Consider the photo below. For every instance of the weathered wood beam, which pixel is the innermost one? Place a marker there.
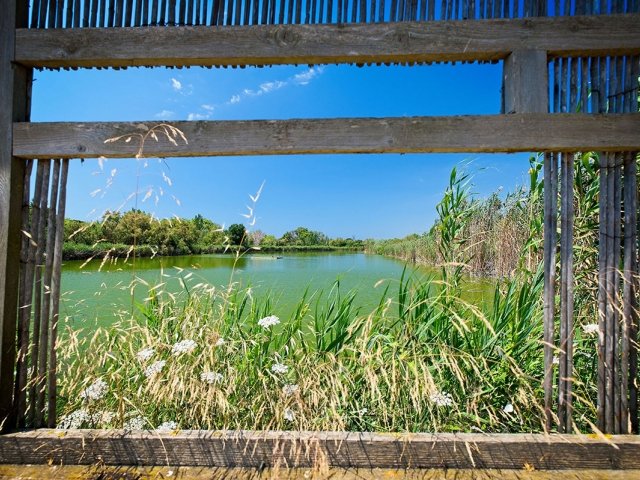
(78, 472)
(15, 91)
(486, 133)
(467, 40)
(308, 449)
(525, 82)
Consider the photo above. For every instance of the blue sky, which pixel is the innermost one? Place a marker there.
(366, 196)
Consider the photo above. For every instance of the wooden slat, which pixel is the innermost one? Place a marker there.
(15, 90)
(300, 449)
(549, 295)
(525, 82)
(81, 472)
(316, 44)
(518, 133)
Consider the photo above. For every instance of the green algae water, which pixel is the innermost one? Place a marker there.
(93, 293)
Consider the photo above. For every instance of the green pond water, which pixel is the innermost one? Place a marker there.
(92, 295)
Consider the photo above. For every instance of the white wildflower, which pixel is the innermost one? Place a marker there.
(590, 328)
(154, 368)
(74, 420)
(105, 418)
(290, 389)
(441, 399)
(184, 346)
(269, 321)
(279, 368)
(508, 408)
(167, 427)
(211, 377)
(363, 411)
(82, 417)
(220, 342)
(556, 360)
(146, 354)
(135, 423)
(289, 415)
(95, 391)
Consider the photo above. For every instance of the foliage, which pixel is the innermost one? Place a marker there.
(138, 232)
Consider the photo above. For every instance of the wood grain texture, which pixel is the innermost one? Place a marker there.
(525, 82)
(15, 89)
(517, 133)
(313, 449)
(319, 44)
(102, 472)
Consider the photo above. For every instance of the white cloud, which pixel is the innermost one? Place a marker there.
(209, 108)
(176, 84)
(197, 116)
(165, 114)
(271, 86)
(305, 77)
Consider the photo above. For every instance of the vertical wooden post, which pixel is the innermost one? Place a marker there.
(525, 82)
(602, 291)
(630, 303)
(565, 376)
(15, 92)
(550, 241)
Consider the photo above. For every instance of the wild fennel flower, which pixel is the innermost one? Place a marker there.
(145, 354)
(169, 426)
(290, 389)
(279, 368)
(184, 346)
(95, 391)
(211, 377)
(441, 399)
(135, 423)
(154, 368)
(268, 322)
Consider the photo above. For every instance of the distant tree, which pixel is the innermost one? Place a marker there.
(77, 231)
(133, 227)
(303, 237)
(269, 241)
(237, 234)
(256, 238)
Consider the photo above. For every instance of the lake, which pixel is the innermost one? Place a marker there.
(92, 294)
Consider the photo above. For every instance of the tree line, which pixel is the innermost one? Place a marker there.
(120, 234)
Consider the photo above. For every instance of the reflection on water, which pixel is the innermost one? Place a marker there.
(92, 294)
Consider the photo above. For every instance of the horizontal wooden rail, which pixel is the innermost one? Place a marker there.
(439, 41)
(489, 133)
(308, 449)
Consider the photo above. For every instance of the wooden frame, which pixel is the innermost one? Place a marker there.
(519, 133)
(309, 449)
(15, 98)
(440, 41)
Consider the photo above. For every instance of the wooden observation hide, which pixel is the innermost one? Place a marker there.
(570, 85)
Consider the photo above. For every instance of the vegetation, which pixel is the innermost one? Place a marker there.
(135, 231)
(422, 360)
(495, 236)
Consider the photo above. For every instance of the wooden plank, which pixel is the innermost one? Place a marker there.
(519, 133)
(549, 295)
(467, 40)
(15, 92)
(565, 380)
(525, 82)
(309, 449)
(82, 472)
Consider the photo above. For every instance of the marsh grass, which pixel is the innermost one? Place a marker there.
(422, 360)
